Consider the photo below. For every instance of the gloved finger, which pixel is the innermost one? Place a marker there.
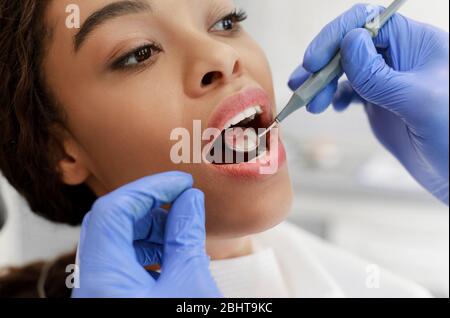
(121, 211)
(83, 231)
(370, 76)
(150, 243)
(185, 230)
(401, 32)
(148, 253)
(116, 216)
(298, 77)
(392, 34)
(151, 228)
(389, 129)
(321, 102)
(344, 96)
(324, 46)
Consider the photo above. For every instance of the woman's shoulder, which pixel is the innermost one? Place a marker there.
(298, 250)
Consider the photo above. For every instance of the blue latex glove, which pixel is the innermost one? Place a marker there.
(402, 78)
(127, 230)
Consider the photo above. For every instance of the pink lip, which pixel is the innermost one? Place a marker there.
(234, 105)
(237, 103)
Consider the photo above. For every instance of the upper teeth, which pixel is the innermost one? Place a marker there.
(245, 117)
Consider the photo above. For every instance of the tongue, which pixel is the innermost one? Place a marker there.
(241, 139)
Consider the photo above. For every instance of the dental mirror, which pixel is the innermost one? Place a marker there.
(237, 145)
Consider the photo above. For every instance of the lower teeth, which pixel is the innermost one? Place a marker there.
(222, 151)
(242, 140)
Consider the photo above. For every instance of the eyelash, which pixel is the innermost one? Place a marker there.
(152, 49)
(235, 17)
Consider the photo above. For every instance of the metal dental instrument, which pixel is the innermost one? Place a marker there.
(318, 81)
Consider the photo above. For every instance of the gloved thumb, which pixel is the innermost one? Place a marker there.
(185, 233)
(369, 74)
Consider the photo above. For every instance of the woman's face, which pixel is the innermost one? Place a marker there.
(136, 70)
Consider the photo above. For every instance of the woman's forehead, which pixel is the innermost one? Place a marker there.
(76, 17)
(58, 10)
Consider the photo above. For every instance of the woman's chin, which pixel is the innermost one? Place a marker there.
(250, 208)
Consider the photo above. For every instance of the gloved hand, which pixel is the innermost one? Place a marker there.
(402, 78)
(127, 230)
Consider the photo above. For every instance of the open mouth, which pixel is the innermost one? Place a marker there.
(236, 121)
(239, 141)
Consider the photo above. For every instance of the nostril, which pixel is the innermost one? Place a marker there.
(210, 78)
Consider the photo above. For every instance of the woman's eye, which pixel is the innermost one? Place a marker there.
(137, 57)
(229, 22)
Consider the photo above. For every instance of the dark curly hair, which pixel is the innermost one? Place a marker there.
(30, 117)
(30, 140)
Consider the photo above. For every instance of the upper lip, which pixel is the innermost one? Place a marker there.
(239, 102)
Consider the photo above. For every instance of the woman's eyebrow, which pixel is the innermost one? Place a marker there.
(106, 13)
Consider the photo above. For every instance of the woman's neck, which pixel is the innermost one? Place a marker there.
(219, 249)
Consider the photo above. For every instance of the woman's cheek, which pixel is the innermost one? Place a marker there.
(256, 63)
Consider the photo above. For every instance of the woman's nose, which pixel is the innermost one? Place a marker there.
(210, 65)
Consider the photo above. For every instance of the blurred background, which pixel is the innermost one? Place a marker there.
(349, 190)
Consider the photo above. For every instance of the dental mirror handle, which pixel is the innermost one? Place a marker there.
(318, 81)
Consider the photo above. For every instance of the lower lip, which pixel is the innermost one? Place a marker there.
(253, 170)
